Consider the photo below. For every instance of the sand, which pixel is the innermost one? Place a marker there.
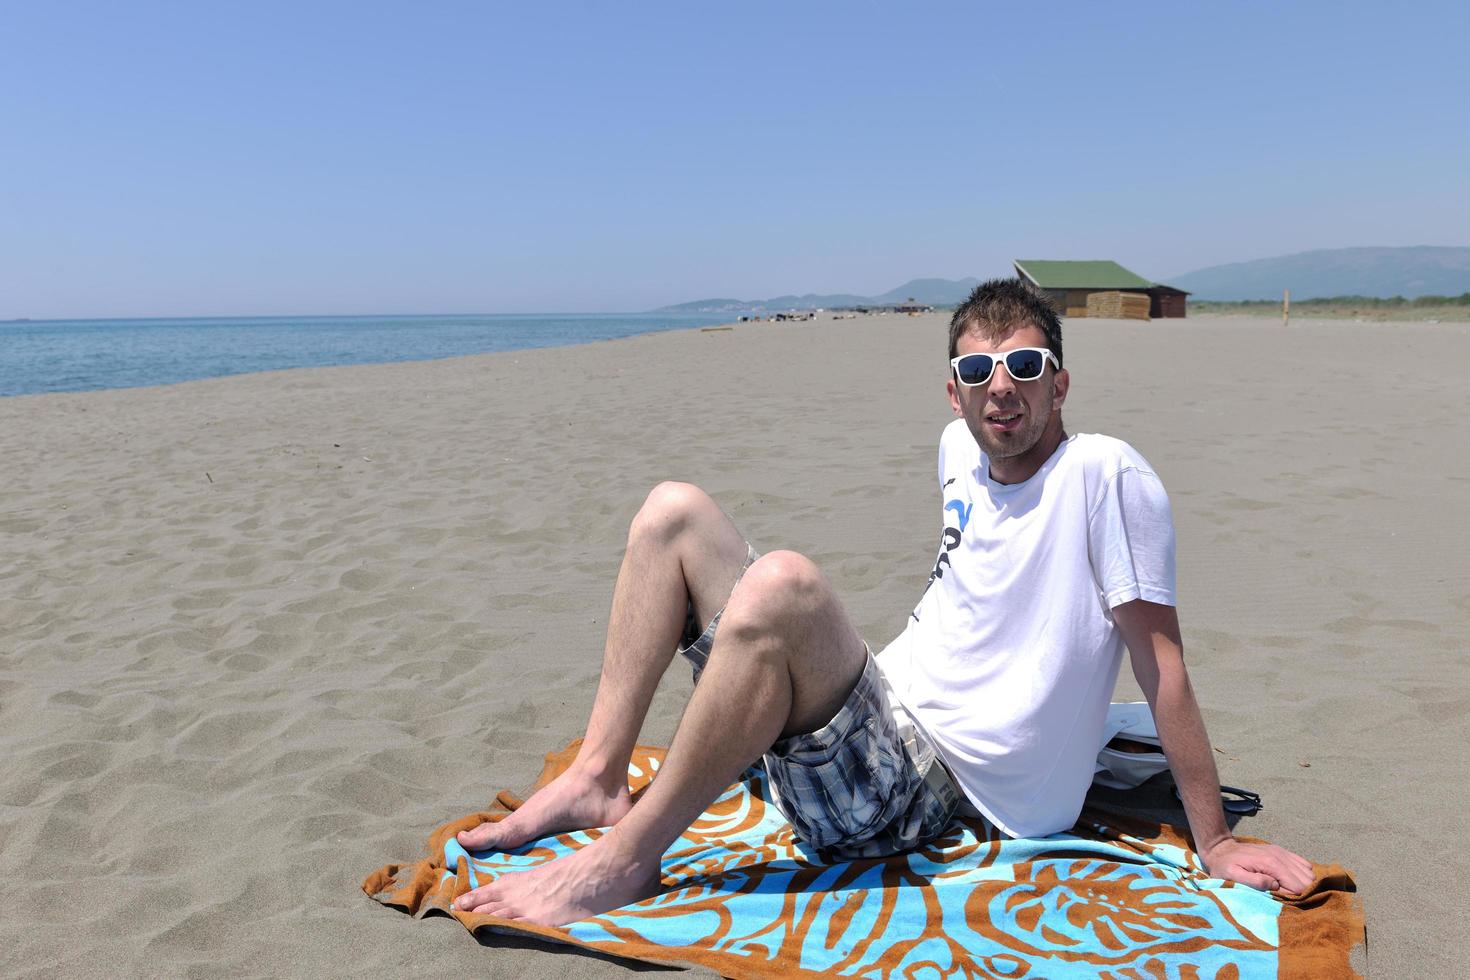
(261, 634)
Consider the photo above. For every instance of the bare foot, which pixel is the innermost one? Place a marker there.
(587, 882)
(571, 801)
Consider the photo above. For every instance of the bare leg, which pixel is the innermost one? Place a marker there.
(784, 660)
(681, 549)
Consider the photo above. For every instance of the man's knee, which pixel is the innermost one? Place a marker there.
(670, 509)
(780, 590)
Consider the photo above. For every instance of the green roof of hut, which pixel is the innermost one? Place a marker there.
(1099, 274)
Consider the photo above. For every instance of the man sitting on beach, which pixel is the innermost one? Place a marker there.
(1057, 552)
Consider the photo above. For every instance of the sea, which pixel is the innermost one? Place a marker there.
(38, 356)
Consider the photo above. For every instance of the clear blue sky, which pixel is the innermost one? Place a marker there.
(317, 157)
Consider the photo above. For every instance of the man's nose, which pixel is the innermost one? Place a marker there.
(1001, 381)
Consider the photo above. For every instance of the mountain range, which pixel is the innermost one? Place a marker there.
(1420, 270)
(938, 292)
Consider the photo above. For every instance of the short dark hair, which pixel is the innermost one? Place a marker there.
(1000, 306)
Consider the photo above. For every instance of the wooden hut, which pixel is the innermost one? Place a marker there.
(1100, 288)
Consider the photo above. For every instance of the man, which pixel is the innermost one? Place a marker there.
(1057, 552)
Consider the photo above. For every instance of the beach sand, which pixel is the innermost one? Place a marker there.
(262, 634)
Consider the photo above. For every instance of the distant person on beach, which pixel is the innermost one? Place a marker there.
(1057, 552)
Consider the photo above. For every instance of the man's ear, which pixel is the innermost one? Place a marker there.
(954, 394)
(1060, 382)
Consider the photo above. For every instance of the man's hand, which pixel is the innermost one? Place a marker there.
(1263, 866)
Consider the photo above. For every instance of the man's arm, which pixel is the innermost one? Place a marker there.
(1152, 634)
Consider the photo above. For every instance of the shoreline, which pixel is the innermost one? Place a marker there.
(85, 354)
(1202, 317)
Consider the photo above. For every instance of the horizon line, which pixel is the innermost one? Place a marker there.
(337, 316)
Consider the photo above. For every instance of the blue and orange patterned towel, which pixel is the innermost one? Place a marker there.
(1113, 898)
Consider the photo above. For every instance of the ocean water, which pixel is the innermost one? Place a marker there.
(85, 355)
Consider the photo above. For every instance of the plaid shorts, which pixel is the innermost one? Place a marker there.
(866, 784)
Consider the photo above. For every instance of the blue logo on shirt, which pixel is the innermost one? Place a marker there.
(948, 542)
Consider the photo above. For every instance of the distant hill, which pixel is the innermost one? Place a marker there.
(939, 292)
(1420, 270)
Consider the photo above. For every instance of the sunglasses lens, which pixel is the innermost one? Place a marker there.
(974, 369)
(1025, 365)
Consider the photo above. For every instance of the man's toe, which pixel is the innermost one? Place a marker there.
(478, 836)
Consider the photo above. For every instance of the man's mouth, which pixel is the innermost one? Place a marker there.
(1004, 420)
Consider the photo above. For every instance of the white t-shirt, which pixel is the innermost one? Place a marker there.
(1008, 661)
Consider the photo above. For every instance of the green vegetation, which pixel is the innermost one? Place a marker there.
(1372, 302)
(1349, 307)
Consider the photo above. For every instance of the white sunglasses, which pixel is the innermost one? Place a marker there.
(1022, 364)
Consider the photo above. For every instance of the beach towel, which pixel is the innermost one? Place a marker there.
(1115, 897)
